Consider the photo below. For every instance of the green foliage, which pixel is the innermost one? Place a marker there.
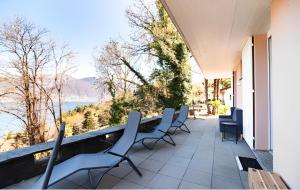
(169, 82)
(222, 110)
(119, 110)
(79, 109)
(172, 53)
(88, 123)
(226, 83)
(116, 113)
(217, 104)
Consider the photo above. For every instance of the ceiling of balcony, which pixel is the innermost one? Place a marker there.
(216, 31)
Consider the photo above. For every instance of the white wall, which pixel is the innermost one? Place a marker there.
(285, 77)
(247, 88)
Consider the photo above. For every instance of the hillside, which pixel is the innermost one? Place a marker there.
(83, 89)
(79, 89)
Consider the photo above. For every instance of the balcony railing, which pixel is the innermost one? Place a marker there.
(21, 164)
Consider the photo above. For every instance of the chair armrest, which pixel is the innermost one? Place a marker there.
(229, 123)
(225, 116)
(115, 154)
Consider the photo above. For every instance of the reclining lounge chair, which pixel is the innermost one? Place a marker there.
(179, 122)
(106, 160)
(160, 131)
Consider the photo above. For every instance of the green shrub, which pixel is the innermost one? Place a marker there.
(219, 106)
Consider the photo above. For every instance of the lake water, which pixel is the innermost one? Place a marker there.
(10, 123)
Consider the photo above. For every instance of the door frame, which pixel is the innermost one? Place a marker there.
(270, 127)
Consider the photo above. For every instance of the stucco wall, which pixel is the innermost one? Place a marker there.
(285, 103)
(261, 92)
(238, 86)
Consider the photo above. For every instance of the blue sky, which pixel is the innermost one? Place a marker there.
(84, 24)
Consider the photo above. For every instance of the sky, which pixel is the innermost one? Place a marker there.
(83, 24)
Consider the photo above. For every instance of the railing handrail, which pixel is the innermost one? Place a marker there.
(42, 147)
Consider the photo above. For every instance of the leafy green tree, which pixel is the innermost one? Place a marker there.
(159, 38)
(88, 122)
(226, 83)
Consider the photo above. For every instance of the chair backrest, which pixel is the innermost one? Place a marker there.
(183, 114)
(238, 116)
(232, 110)
(125, 142)
(53, 157)
(166, 120)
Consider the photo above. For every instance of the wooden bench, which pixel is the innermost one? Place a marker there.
(261, 179)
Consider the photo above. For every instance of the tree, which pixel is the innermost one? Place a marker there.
(226, 83)
(117, 77)
(115, 72)
(206, 96)
(157, 37)
(27, 85)
(25, 44)
(88, 123)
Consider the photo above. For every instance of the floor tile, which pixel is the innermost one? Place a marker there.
(198, 177)
(179, 161)
(173, 171)
(123, 184)
(121, 171)
(152, 165)
(163, 182)
(161, 156)
(135, 159)
(108, 181)
(220, 182)
(141, 180)
(226, 171)
(189, 185)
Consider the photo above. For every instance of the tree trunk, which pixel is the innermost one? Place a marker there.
(206, 96)
(214, 96)
(218, 89)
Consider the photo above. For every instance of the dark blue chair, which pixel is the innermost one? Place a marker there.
(223, 118)
(233, 125)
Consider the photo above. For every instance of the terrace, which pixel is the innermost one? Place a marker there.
(199, 160)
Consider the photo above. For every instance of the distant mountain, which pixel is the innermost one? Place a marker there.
(91, 80)
(83, 88)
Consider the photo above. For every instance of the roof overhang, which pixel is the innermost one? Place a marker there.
(216, 31)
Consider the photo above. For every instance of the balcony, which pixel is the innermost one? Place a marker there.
(199, 160)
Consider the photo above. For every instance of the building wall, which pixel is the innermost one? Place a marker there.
(238, 86)
(261, 92)
(285, 103)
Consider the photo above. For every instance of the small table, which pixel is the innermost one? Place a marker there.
(230, 124)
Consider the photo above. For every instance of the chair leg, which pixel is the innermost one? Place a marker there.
(173, 133)
(96, 185)
(149, 147)
(172, 141)
(91, 179)
(133, 166)
(236, 134)
(185, 130)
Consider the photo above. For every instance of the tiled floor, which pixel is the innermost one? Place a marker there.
(199, 160)
(265, 158)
